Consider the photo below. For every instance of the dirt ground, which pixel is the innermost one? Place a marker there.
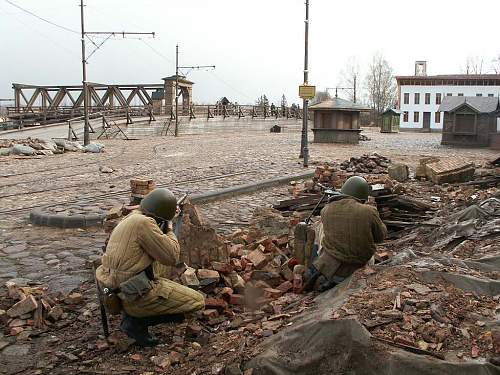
(60, 258)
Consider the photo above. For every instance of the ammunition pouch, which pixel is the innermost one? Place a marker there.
(135, 287)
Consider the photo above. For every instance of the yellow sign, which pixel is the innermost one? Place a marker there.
(307, 92)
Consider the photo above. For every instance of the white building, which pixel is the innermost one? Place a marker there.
(420, 95)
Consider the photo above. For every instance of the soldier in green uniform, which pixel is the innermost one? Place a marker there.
(350, 229)
(136, 250)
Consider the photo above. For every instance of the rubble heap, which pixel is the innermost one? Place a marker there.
(373, 163)
(32, 309)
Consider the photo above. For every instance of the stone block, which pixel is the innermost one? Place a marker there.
(189, 278)
(22, 307)
(399, 172)
(204, 274)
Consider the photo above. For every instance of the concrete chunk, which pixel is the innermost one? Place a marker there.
(22, 307)
(399, 172)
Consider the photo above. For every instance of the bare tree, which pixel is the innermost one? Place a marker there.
(496, 65)
(474, 65)
(380, 84)
(321, 96)
(350, 78)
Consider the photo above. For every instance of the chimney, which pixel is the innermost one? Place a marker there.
(420, 68)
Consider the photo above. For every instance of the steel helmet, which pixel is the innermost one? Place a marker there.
(356, 187)
(160, 203)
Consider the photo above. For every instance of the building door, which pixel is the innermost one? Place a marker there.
(427, 121)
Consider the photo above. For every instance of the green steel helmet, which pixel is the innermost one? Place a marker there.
(160, 203)
(356, 187)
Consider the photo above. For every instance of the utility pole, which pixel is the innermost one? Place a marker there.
(86, 126)
(304, 149)
(177, 93)
(86, 130)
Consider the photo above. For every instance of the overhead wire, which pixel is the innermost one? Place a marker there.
(41, 18)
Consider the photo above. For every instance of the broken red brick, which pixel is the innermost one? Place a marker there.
(236, 264)
(226, 293)
(285, 287)
(237, 299)
(14, 331)
(257, 257)
(221, 267)
(272, 293)
(207, 274)
(215, 303)
(210, 313)
(74, 299)
(262, 284)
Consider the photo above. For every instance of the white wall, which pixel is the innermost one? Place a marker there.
(433, 107)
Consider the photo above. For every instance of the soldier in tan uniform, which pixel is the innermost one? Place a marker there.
(136, 250)
(348, 233)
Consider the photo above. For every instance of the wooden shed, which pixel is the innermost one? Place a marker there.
(337, 121)
(469, 120)
(390, 121)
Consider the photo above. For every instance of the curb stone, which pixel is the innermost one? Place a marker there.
(41, 218)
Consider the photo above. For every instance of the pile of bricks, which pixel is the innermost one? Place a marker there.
(373, 163)
(258, 272)
(33, 309)
(140, 187)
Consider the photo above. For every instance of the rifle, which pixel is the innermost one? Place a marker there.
(303, 233)
(104, 316)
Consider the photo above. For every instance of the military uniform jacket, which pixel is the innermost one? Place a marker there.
(351, 230)
(134, 244)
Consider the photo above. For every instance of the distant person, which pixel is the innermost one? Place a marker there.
(346, 236)
(130, 267)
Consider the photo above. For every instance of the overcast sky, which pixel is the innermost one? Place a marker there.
(257, 45)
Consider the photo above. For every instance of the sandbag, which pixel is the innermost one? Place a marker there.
(94, 147)
(23, 150)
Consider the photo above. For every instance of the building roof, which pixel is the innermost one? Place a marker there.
(481, 104)
(394, 110)
(337, 104)
(181, 79)
(451, 79)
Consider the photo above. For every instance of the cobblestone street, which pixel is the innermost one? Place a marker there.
(72, 183)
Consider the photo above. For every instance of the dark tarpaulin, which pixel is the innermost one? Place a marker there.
(315, 344)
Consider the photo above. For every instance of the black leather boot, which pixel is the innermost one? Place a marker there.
(136, 329)
(160, 319)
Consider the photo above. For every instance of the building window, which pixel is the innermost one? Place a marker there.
(427, 98)
(416, 116)
(405, 116)
(438, 98)
(449, 94)
(406, 99)
(491, 95)
(479, 94)
(417, 98)
(460, 94)
(437, 117)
